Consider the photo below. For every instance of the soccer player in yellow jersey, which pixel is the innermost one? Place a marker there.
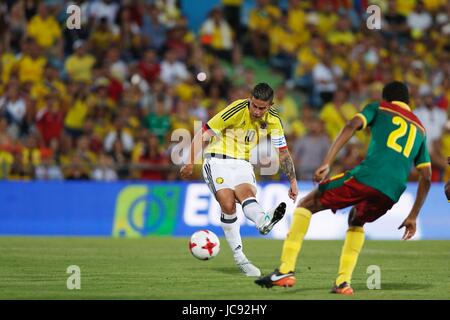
(234, 132)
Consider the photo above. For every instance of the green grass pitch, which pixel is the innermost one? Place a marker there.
(163, 268)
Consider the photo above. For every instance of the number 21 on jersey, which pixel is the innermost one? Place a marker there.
(400, 132)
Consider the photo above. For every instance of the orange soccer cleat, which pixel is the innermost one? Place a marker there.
(344, 288)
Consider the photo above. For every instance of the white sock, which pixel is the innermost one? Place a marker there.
(253, 210)
(231, 228)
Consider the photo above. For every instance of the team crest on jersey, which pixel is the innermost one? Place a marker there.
(263, 125)
(219, 180)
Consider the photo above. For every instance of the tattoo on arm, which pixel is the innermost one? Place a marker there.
(287, 165)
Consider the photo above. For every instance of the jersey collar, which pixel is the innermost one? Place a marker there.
(402, 105)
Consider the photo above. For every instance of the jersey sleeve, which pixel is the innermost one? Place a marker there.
(423, 157)
(225, 118)
(368, 114)
(277, 133)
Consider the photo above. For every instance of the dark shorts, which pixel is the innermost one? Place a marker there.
(343, 191)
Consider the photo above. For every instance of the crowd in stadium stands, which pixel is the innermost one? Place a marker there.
(100, 103)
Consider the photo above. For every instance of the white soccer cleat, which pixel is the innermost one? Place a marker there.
(249, 269)
(271, 218)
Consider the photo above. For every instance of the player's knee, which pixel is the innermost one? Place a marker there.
(311, 203)
(353, 220)
(228, 207)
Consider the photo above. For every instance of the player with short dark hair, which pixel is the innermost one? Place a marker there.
(398, 139)
(234, 132)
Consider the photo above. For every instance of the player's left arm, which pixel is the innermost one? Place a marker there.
(276, 132)
(287, 166)
(423, 166)
(422, 191)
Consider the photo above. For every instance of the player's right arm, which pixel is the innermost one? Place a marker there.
(358, 122)
(198, 144)
(215, 126)
(346, 133)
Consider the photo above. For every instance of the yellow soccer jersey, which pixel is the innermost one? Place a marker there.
(235, 134)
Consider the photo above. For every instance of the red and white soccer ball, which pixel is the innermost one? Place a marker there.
(204, 245)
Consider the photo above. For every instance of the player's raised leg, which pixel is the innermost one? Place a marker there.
(285, 275)
(264, 221)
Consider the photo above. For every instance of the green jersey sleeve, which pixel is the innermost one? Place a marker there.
(423, 157)
(367, 115)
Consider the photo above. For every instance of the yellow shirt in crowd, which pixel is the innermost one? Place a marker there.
(263, 19)
(45, 32)
(31, 69)
(76, 115)
(80, 68)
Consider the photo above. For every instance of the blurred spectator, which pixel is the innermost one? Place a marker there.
(287, 108)
(183, 119)
(153, 31)
(17, 25)
(336, 113)
(284, 44)
(31, 65)
(432, 117)
(149, 67)
(151, 160)
(102, 37)
(104, 170)
(180, 40)
(28, 158)
(158, 122)
(325, 76)
(13, 107)
(218, 81)
(48, 169)
(172, 71)
(122, 134)
(76, 170)
(310, 150)
(419, 21)
(395, 24)
(79, 65)
(216, 35)
(261, 20)
(104, 9)
(77, 112)
(44, 28)
(50, 120)
(232, 13)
